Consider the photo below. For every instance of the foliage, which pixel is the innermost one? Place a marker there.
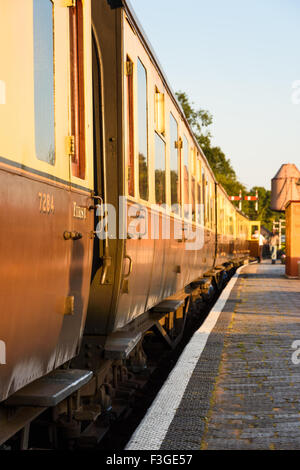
(143, 177)
(224, 172)
(197, 118)
(221, 166)
(264, 214)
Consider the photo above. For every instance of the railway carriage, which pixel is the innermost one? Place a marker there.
(86, 117)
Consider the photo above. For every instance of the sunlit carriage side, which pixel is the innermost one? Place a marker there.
(89, 117)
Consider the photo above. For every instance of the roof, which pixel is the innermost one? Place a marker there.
(287, 170)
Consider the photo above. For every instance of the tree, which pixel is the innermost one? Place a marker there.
(264, 214)
(221, 166)
(196, 118)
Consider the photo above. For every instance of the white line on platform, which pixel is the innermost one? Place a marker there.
(154, 427)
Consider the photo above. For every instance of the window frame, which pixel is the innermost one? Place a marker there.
(159, 136)
(77, 90)
(178, 159)
(193, 183)
(53, 88)
(186, 215)
(130, 131)
(203, 198)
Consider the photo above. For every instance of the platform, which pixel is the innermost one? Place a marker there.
(235, 385)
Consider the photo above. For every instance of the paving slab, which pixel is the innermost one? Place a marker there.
(243, 389)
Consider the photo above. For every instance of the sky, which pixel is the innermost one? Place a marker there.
(239, 60)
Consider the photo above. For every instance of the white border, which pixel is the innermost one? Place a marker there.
(154, 427)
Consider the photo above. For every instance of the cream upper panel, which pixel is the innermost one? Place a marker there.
(17, 115)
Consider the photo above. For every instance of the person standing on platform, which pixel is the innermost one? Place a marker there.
(274, 243)
(261, 241)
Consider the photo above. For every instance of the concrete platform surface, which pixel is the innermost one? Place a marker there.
(237, 383)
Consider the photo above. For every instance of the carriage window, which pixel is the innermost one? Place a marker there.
(174, 163)
(186, 176)
(193, 161)
(230, 224)
(212, 206)
(193, 198)
(193, 156)
(209, 205)
(77, 89)
(159, 113)
(207, 198)
(160, 170)
(221, 215)
(199, 207)
(199, 191)
(130, 128)
(44, 80)
(142, 131)
(203, 196)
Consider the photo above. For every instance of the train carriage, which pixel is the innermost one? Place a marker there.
(89, 122)
(45, 277)
(160, 163)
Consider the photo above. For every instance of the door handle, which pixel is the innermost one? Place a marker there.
(126, 276)
(95, 206)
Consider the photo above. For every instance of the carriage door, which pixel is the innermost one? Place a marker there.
(101, 247)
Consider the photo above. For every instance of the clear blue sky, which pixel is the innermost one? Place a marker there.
(237, 59)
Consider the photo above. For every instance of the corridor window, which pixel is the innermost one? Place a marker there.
(199, 192)
(142, 131)
(186, 176)
(174, 163)
(44, 80)
(199, 207)
(130, 127)
(193, 178)
(204, 197)
(160, 170)
(77, 89)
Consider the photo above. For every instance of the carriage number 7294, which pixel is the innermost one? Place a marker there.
(46, 203)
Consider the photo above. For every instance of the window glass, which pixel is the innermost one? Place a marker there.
(44, 80)
(230, 225)
(212, 211)
(193, 192)
(199, 191)
(174, 162)
(207, 200)
(160, 170)
(254, 228)
(186, 175)
(142, 131)
(221, 215)
(193, 198)
(200, 210)
(77, 89)
(204, 196)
